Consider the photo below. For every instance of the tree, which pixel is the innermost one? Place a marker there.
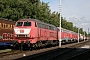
(21, 9)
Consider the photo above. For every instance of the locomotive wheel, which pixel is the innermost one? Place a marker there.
(21, 47)
(30, 47)
(28, 44)
(15, 45)
(39, 44)
(34, 46)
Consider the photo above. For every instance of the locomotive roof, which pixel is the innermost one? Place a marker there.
(68, 30)
(36, 21)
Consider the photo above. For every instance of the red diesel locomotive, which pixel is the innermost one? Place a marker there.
(33, 33)
(67, 35)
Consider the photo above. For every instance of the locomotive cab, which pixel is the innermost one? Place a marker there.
(24, 30)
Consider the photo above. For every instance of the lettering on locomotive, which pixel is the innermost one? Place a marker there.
(21, 31)
(6, 26)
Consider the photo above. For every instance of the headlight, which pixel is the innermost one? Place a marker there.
(28, 35)
(25, 35)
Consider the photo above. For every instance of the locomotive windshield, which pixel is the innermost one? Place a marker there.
(27, 23)
(19, 23)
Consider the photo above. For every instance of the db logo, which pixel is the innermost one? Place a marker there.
(21, 31)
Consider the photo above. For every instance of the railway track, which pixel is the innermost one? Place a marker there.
(47, 55)
(81, 56)
(74, 54)
(60, 53)
(33, 55)
(9, 53)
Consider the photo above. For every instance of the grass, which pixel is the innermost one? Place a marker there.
(6, 50)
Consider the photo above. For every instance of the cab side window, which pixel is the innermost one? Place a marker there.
(35, 24)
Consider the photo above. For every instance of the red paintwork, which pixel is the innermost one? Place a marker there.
(37, 34)
(42, 34)
(69, 34)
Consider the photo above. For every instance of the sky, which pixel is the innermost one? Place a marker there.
(73, 10)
